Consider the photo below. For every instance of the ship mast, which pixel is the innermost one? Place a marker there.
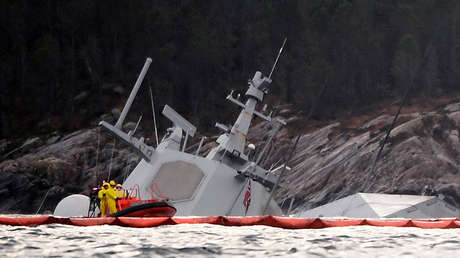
(233, 140)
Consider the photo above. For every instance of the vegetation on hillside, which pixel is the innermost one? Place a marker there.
(61, 60)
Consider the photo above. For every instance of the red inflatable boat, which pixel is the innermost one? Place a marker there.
(134, 206)
(149, 208)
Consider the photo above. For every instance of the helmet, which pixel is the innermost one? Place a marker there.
(112, 183)
(106, 184)
(118, 185)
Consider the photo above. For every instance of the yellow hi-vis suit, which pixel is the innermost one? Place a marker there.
(120, 193)
(107, 197)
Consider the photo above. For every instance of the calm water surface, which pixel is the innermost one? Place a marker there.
(219, 241)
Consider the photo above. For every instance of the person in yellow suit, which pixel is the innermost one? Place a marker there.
(120, 195)
(112, 184)
(107, 195)
(120, 191)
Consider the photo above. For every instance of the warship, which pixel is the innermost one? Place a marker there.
(228, 181)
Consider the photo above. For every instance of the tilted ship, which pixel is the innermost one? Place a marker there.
(228, 181)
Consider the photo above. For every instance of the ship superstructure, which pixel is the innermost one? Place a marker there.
(227, 181)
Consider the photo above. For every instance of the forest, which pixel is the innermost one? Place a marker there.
(64, 63)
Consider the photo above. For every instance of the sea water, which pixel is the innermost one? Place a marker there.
(204, 240)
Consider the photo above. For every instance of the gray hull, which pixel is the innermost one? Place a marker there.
(198, 186)
(374, 205)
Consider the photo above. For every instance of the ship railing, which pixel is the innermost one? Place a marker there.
(133, 196)
(134, 192)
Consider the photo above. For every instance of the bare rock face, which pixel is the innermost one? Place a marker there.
(452, 107)
(72, 163)
(423, 151)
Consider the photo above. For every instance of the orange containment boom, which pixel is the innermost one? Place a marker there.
(280, 222)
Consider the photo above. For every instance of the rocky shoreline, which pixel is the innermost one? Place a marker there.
(422, 156)
(57, 167)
